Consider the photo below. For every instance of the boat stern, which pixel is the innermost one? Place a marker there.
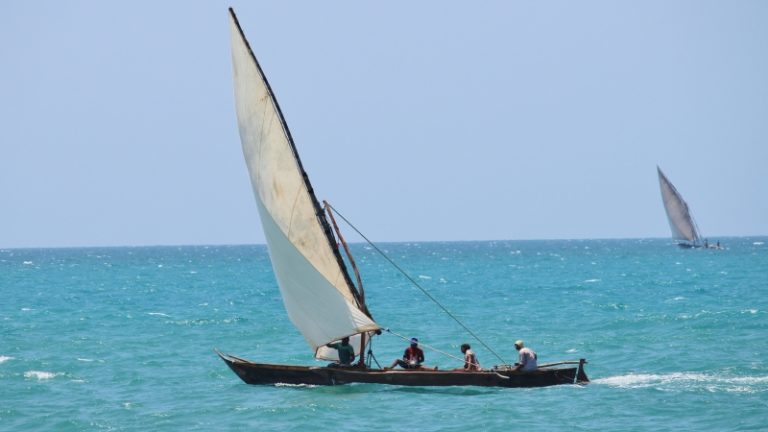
(581, 375)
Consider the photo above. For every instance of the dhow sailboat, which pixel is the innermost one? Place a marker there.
(684, 228)
(319, 294)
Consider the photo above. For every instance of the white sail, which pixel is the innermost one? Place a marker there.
(680, 220)
(315, 286)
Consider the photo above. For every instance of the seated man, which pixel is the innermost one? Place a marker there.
(346, 352)
(471, 364)
(528, 359)
(412, 358)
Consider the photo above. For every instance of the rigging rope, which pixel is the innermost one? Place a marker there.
(416, 284)
(430, 347)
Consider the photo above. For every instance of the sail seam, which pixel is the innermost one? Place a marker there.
(262, 129)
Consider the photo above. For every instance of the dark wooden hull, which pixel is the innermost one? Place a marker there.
(266, 374)
(688, 246)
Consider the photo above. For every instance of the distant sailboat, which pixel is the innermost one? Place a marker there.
(318, 292)
(684, 228)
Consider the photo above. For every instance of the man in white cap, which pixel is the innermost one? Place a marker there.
(527, 361)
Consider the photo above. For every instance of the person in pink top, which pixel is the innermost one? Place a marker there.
(528, 359)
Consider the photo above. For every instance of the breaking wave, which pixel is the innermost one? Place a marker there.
(40, 375)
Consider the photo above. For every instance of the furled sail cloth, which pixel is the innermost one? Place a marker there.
(317, 292)
(680, 219)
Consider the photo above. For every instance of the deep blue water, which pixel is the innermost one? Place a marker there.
(123, 338)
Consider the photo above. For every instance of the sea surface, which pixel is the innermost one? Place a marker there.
(122, 339)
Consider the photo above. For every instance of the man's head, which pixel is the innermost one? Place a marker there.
(519, 344)
(414, 342)
(345, 341)
(464, 347)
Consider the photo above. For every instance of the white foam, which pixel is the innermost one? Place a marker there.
(687, 380)
(641, 380)
(158, 314)
(4, 359)
(295, 385)
(28, 263)
(40, 375)
(592, 280)
(758, 243)
(425, 277)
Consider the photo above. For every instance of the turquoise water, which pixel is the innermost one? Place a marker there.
(123, 338)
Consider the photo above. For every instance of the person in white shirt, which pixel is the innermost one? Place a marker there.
(527, 360)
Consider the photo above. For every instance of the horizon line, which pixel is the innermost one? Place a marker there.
(364, 242)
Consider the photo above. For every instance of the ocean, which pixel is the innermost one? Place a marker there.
(122, 339)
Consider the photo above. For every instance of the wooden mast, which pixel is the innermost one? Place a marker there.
(361, 291)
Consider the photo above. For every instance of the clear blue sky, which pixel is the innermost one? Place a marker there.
(420, 121)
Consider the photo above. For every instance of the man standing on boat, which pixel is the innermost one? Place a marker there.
(413, 357)
(528, 359)
(346, 352)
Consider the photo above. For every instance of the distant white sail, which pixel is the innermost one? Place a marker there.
(315, 287)
(680, 219)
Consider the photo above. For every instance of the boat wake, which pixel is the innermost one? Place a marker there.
(688, 381)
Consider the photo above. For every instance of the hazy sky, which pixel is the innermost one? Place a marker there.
(418, 120)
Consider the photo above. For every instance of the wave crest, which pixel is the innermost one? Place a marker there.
(40, 375)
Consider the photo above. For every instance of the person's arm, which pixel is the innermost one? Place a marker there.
(520, 363)
(524, 359)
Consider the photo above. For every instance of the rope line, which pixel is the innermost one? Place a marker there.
(416, 284)
(432, 348)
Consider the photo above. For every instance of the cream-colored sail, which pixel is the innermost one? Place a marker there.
(315, 287)
(680, 220)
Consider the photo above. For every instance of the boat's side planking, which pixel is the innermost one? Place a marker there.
(260, 373)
